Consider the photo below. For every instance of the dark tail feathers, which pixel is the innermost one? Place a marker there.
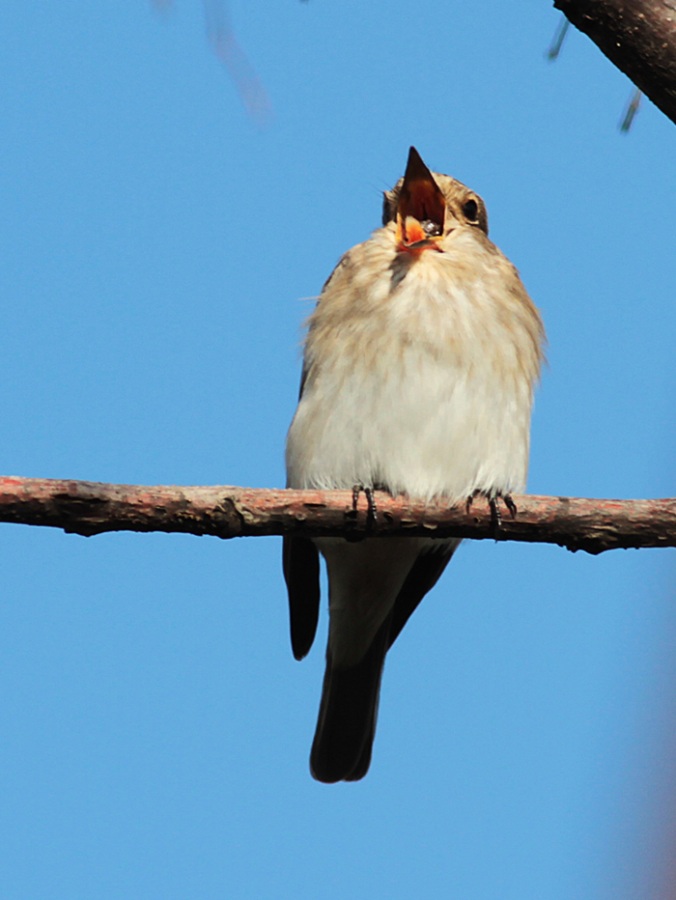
(341, 750)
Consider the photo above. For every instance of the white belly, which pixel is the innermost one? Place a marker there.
(427, 397)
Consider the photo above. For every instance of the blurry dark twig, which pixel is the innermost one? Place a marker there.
(558, 39)
(222, 38)
(553, 53)
(631, 111)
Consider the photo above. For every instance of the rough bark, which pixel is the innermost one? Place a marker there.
(89, 508)
(638, 36)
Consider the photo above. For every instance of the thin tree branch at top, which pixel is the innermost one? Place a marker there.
(88, 508)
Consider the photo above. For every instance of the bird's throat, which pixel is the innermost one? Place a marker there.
(414, 236)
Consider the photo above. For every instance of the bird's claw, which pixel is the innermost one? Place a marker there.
(493, 505)
(372, 510)
(510, 504)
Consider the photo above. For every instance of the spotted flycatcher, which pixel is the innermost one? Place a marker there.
(419, 367)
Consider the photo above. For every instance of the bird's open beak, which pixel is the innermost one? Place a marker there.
(420, 208)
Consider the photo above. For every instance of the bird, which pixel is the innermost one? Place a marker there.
(419, 366)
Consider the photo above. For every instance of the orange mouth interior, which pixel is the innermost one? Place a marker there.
(421, 208)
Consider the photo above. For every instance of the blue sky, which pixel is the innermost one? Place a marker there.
(160, 249)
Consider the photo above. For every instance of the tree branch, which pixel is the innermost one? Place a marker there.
(638, 36)
(88, 508)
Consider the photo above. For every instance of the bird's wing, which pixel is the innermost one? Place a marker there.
(424, 574)
(300, 561)
(301, 573)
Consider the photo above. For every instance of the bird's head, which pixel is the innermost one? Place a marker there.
(427, 206)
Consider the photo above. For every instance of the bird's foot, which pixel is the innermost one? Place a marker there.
(494, 506)
(372, 510)
(353, 513)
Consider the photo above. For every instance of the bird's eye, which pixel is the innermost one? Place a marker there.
(470, 209)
